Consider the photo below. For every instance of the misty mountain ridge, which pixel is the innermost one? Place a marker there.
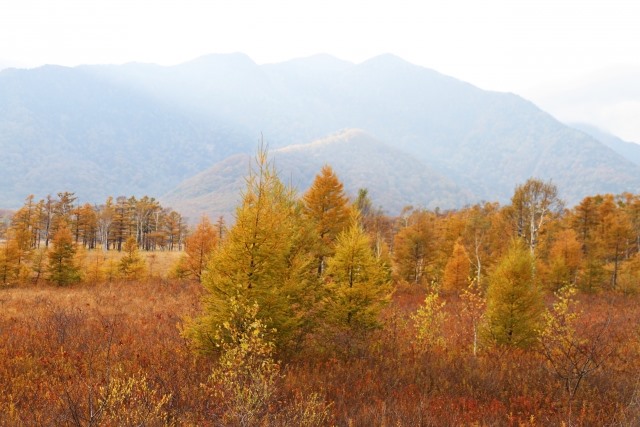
(629, 150)
(390, 175)
(145, 129)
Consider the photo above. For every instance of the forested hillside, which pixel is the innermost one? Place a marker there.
(629, 150)
(143, 129)
(65, 129)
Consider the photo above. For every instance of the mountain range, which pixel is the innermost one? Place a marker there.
(218, 189)
(187, 133)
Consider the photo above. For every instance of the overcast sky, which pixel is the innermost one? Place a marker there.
(539, 49)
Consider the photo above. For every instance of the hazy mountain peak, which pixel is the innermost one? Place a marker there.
(323, 60)
(65, 129)
(394, 178)
(387, 58)
(320, 67)
(217, 60)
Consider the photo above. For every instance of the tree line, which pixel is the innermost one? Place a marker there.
(297, 256)
(592, 246)
(39, 229)
(105, 226)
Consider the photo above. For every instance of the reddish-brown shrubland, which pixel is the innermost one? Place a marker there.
(110, 349)
(112, 354)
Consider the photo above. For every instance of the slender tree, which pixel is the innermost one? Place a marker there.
(565, 259)
(199, 247)
(514, 301)
(414, 247)
(131, 265)
(456, 272)
(62, 257)
(9, 262)
(615, 236)
(327, 207)
(358, 286)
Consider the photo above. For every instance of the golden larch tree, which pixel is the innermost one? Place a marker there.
(565, 258)
(264, 259)
(131, 266)
(62, 257)
(457, 270)
(199, 247)
(514, 301)
(414, 247)
(358, 287)
(326, 206)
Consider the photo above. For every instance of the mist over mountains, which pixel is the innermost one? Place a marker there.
(389, 175)
(188, 131)
(629, 150)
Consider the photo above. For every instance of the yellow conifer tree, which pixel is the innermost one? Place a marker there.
(457, 270)
(358, 287)
(514, 302)
(62, 257)
(327, 207)
(132, 265)
(264, 259)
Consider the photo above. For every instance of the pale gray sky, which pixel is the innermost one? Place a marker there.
(536, 48)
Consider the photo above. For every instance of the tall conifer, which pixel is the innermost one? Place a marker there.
(514, 302)
(62, 264)
(358, 285)
(456, 272)
(263, 260)
(327, 207)
(199, 248)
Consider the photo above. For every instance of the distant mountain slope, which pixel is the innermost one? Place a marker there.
(143, 128)
(67, 129)
(394, 179)
(485, 141)
(629, 150)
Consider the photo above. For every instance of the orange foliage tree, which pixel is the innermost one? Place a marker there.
(456, 272)
(326, 206)
(199, 247)
(62, 264)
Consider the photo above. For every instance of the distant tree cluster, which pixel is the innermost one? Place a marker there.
(107, 226)
(44, 236)
(509, 257)
(593, 246)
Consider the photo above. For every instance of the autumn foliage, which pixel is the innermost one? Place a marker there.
(523, 314)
